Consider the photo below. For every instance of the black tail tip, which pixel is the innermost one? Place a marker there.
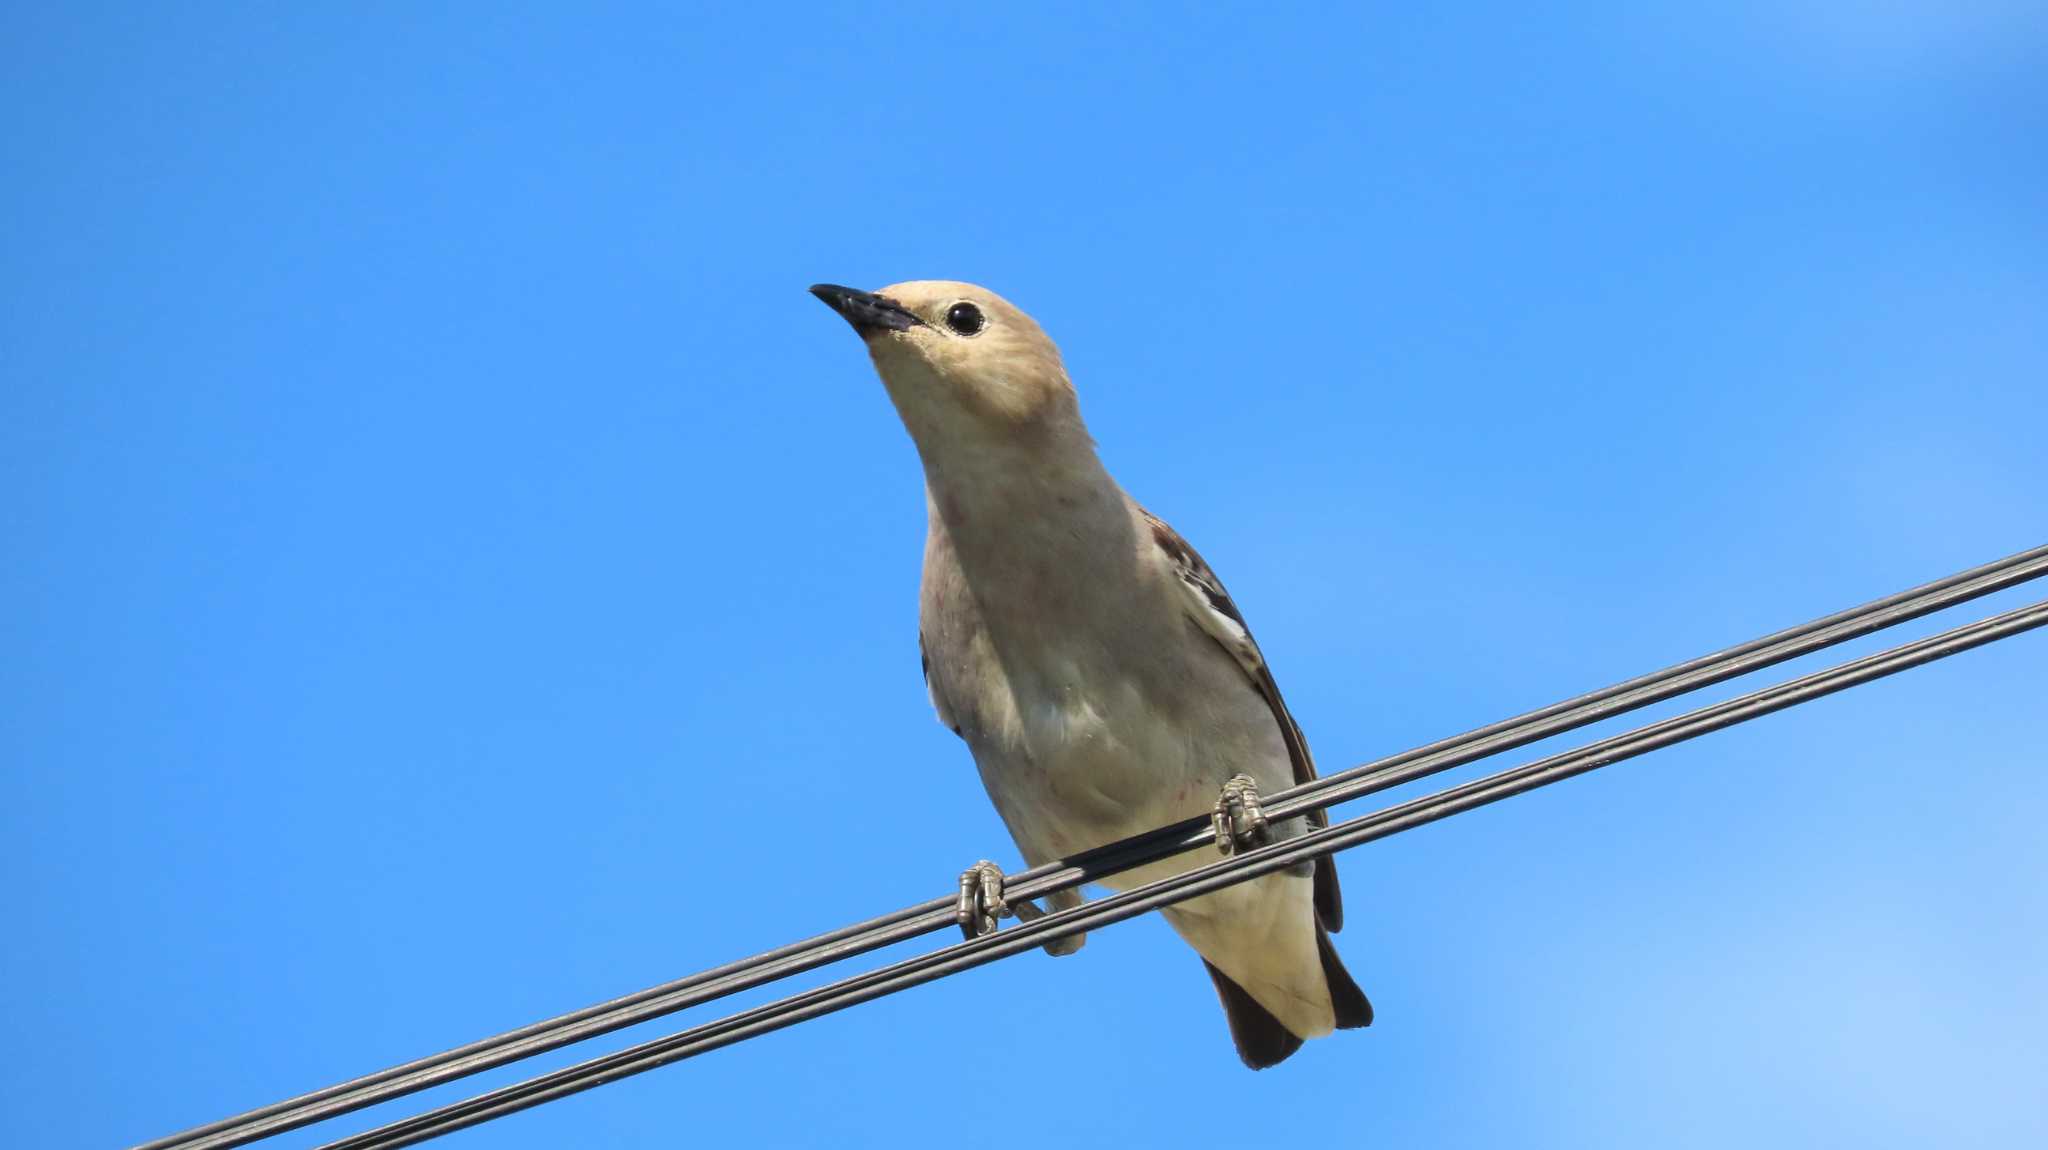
(1260, 1039)
(1352, 1008)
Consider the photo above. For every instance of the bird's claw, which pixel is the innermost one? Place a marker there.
(981, 899)
(982, 902)
(1238, 818)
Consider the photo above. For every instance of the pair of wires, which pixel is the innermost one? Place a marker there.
(939, 914)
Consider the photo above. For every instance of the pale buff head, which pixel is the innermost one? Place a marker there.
(961, 363)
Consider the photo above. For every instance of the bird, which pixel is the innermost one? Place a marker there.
(1103, 680)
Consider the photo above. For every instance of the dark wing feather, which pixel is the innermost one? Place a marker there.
(1211, 608)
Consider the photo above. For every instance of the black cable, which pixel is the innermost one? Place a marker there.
(937, 914)
(1190, 884)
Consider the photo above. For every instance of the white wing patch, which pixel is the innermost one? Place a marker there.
(1208, 604)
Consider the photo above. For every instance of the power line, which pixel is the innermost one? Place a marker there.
(1190, 884)
(923, 918)
(911, 922)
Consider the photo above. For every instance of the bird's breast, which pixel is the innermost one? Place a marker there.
(1070, 740)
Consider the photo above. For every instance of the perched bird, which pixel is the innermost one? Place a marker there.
(1094, 665)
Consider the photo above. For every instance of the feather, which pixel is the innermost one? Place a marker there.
(1212, 609)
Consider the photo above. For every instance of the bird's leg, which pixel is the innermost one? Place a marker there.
(1066, 944)
(982, 903)
(1239, 820)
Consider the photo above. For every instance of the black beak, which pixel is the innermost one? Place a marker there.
(866, 311)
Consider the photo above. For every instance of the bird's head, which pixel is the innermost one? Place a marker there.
(960, 361)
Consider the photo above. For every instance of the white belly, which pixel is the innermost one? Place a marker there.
(1069, 771)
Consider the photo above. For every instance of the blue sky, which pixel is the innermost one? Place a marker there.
(456, 574)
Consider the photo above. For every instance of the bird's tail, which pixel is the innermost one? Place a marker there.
(1261, 1039)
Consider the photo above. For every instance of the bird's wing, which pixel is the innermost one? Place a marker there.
(1211, 608)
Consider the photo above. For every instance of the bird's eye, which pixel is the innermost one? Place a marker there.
(966, 319)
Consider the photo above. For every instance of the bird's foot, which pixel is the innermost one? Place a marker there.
(981, 899)
(982, 903)
(1239, 819)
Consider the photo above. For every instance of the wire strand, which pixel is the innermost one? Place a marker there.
(937, 914)
(1186, 885)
